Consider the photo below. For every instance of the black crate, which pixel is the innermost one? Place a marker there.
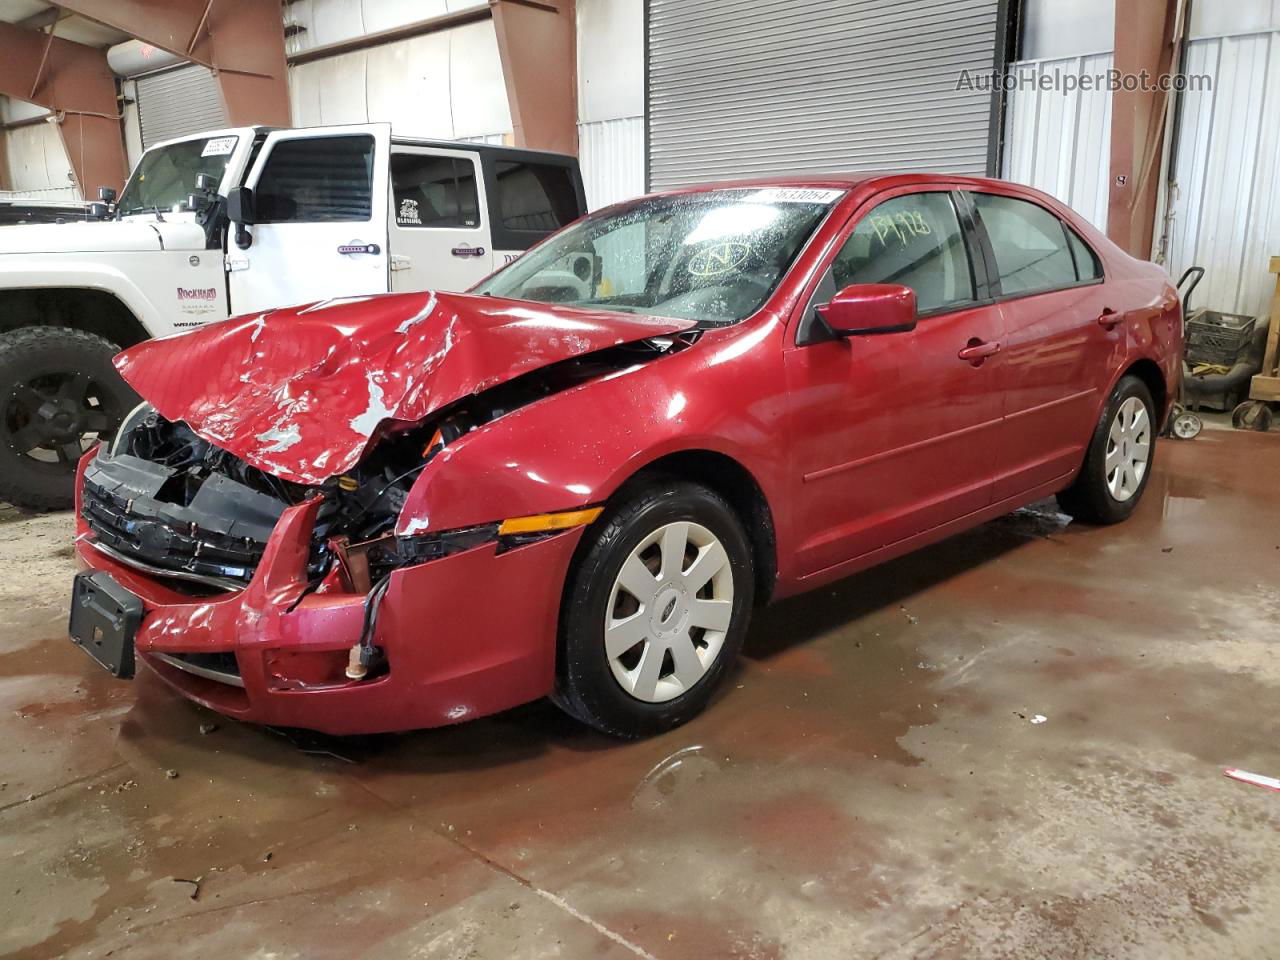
(1216, 337)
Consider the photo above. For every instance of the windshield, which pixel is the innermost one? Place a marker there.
(166, 176)
(714, 257)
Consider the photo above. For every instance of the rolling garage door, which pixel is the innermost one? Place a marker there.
(178, 102)
(776, 86)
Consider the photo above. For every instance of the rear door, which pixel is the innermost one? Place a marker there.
(1062, 345)
(320, 206)
(895, 434)
(438, 231)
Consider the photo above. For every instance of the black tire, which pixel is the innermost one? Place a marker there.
(1089, 498)
(585, 684)
(58, 387)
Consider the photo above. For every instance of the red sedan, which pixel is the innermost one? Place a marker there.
(402, 511)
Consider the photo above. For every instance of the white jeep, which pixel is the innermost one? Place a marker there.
(231, 222)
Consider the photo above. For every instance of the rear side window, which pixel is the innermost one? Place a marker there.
(915, 241)
(319, 180)
(534, 196)
(1029, 242)
(434, 191)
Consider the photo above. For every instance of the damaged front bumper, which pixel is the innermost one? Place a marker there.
(463, 635)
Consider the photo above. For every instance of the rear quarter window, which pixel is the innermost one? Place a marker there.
(535, 196)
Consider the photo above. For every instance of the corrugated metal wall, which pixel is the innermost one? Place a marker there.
(178, 102)
(612, 156)
(740, 89)
(38, 164)
(1225, 204)
(1059, 142)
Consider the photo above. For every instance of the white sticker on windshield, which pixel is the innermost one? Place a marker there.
(793, 195)
(218, 147)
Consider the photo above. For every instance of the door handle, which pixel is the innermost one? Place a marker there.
(355, 246)
(1109, 319)
(978, 350)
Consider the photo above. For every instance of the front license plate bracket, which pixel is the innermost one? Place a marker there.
(104, 620)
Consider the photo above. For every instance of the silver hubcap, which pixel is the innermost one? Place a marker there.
(1128, 449)
(668, 612)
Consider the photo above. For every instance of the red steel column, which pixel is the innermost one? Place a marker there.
(241, 41)
(75, 82)
(1145, 34)
(537, 40)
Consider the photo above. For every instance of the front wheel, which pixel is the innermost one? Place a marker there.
(1117, 464)
(59, 395)
(655, 610)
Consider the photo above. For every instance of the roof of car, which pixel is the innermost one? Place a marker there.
(842, 181)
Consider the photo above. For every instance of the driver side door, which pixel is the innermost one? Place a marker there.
(895, 434)
(320, 219)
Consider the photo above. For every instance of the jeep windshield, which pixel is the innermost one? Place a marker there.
(167, 175)
(714, 256)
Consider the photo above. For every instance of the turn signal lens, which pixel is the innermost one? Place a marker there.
(544, 522)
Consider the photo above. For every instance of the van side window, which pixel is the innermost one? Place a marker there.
(434, 191)
(915, 241)
(1029, 242)
(316, 180)
(534, 196)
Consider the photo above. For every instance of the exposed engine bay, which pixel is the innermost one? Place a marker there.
(175, 505)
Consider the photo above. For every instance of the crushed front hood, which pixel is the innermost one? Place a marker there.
(299, 392)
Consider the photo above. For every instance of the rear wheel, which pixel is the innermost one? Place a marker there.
(59, 395)
(1118, 462)
(655, 610)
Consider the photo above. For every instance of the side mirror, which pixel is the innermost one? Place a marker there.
(869, 308)
(107, 194)
(240, 206)
(240, 212)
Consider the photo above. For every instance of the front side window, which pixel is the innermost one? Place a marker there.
(1029, 243)
(434, 191)
(166, 176)
(915, 241)
(316, 180)
(714, 256)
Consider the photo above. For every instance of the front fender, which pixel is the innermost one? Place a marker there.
(578, 447)
(77, 272)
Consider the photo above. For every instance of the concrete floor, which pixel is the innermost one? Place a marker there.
(872, 783)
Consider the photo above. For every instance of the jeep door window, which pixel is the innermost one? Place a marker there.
(1029, 243)
(434, 191)
(166, 176)
(714, 256)
(317, 180)
(913, 240)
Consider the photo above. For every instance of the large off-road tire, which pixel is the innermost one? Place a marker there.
(1118, 462)
(655, 610)
(59, 394)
